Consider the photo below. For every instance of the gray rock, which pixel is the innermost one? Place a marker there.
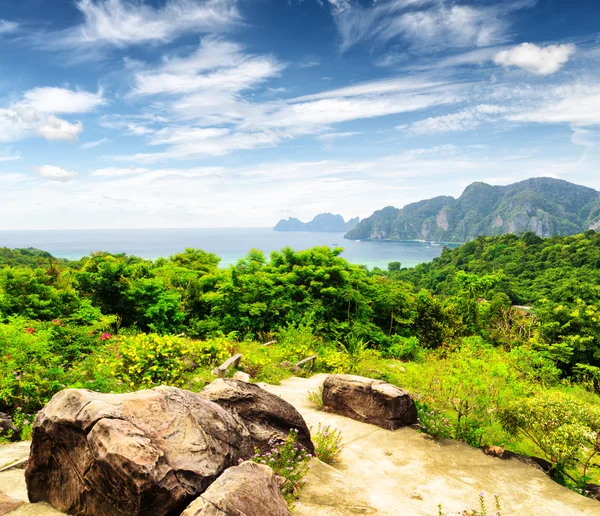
(266, 416)
(370, 401)
(248, 489)
(150, 452)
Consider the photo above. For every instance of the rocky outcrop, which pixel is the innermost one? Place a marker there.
(249, 489)
(149, 452)
(7, 429)
(370, 401)
(501, 453)
(266, 416)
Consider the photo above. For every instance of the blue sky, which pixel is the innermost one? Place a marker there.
(234, 113)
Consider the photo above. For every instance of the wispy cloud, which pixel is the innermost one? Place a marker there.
(216, 66)
(113, 172)
(424, 25)
(464, 120)
(214, 123)
(7, 155)
(336, 136)
(7, 26)
(97, 143)
(128, 22)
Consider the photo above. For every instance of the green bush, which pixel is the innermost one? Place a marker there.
(144, 361)
(404, 348)
(564, 428)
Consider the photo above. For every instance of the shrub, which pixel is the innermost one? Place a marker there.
(144, 361)
(328, 443)
(289, 462)
(404, 348)
(433, 422)
(564, 428)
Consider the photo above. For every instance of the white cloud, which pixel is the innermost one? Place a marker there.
(535, 59)
(577, 105)
(35, 114)
(56, 129)
(129, 22)
(62, 101)
(97, 143)
(464, 120)
(54, 173)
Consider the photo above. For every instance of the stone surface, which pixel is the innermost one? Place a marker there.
(248, 489)
(13, 454)
(241, 376)
(369, 401)
(266, 416)
(7, 429)
(149, 452)
(406, 473)
(8, 504)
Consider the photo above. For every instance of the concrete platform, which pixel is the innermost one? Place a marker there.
(407, 473)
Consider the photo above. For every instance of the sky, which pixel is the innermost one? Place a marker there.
(237, 113)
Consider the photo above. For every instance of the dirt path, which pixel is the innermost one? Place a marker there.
(407, 473)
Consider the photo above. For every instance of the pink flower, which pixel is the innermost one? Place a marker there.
(106, 336)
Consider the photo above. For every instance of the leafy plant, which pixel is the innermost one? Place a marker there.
(328, 443)
(289, 461)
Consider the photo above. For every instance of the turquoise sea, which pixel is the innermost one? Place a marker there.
(230, 244)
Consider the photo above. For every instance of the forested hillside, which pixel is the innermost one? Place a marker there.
(481, 369)
(544, 206)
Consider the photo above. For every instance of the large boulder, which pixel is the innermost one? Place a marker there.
(267, 416)
(7, 429)
(369, 401)
(248, 489)
(150, 452)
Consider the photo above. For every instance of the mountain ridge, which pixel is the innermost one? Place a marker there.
(322, 223)
(544, 206)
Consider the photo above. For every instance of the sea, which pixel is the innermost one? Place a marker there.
(230, 244)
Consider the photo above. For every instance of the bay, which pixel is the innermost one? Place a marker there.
(230, 244)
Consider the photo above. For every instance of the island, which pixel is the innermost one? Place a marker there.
(322, 223)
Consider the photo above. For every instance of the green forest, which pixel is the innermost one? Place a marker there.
(498, 340)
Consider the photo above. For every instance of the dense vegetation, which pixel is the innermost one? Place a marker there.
(481, 369)
(544, 206)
